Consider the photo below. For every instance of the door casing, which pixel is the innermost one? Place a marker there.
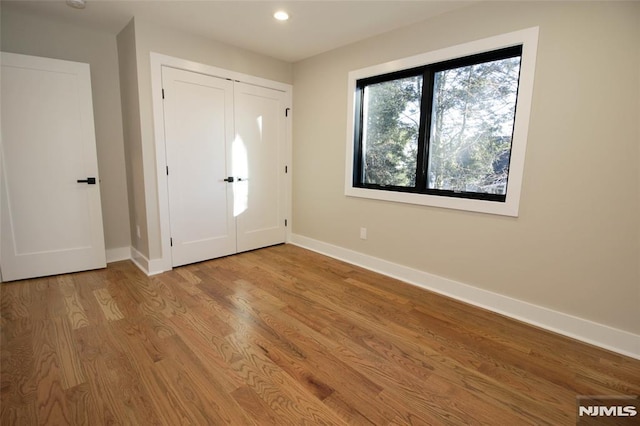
(164, 263)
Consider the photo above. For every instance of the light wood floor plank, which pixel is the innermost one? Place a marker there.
(107, 304)
(47, 375)
(70, 366)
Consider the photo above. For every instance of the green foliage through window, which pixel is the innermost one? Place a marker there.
(390, 133)
(442, 129)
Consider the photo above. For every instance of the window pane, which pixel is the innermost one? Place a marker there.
(391, 123)
(472, 125)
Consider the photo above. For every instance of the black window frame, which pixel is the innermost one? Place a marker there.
(426, 106)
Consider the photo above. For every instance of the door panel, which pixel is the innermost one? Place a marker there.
(51, 224)
(259, 153)
(198, 135)
(215, 129)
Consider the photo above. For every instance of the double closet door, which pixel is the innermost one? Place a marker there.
(226, 147)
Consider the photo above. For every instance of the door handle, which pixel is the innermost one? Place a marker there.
(229, 179)
(88, 181)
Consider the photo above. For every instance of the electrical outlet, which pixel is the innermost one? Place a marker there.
(363, 233)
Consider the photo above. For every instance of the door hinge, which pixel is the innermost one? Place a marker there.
(162, 93)
(285, 222)
(286, 169)
(167, 170)
(171, 241)
(286, 112)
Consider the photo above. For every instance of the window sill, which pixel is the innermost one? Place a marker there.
(507, 208)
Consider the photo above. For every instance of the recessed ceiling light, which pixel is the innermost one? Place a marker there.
(281, 15)
(77, 4)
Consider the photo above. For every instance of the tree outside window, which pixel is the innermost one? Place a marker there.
(442, 129)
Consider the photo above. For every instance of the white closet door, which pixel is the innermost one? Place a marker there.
(51, 224)
(198, 134)
(259, 163)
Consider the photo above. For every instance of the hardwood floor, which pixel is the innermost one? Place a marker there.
(281, 336)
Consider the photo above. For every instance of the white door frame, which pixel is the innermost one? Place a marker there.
(157, 62)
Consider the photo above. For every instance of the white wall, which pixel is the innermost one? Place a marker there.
(575, 247)
(131, 125)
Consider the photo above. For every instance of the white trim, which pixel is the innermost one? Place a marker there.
(149, 267)
(118, 254)
(601, 335)
(158, 60)
(156, 267)
(140, 260)
(529, 40)
(289, 165)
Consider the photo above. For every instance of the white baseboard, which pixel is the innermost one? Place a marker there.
(601, 335)
(118, 254)
(140, 260)
(149, 267)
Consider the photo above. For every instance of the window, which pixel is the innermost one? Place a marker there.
(449, 131)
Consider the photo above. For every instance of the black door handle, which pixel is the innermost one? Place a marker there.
(88, 181)
(229, 179)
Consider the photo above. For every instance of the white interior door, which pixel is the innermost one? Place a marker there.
(225, 146)
(50, 223)
(198, 134)
(259, 161)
